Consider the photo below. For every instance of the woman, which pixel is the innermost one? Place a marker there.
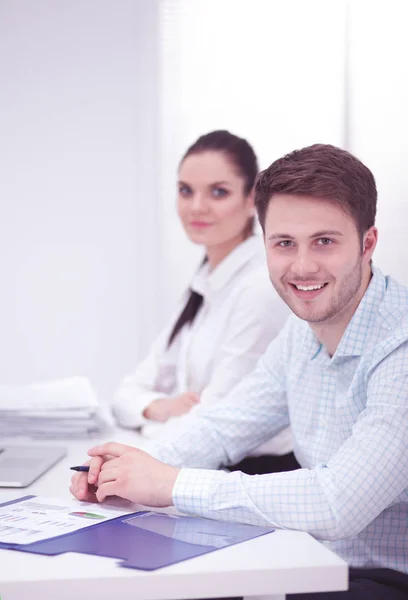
(231, 311)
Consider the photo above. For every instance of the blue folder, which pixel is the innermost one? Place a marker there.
(145, 540)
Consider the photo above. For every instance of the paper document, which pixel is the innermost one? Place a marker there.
(40, 518)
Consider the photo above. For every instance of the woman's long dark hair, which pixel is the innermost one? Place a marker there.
(243, 157)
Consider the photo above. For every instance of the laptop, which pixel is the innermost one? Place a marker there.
(21, 465)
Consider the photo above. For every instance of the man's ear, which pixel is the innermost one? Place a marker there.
(369, 243)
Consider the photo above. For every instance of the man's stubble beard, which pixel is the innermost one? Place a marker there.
(349, 287)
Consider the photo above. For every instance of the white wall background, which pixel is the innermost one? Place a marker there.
(78, 183)
(378, 109)
(99, 99)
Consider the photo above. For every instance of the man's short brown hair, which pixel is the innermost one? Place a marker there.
(321, 171)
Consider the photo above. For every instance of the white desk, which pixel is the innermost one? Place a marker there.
(271, 566)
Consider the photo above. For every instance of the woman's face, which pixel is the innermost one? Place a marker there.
(212, 205)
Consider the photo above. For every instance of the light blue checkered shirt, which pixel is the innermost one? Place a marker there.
(349, 416)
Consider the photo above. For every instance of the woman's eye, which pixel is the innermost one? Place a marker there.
(219, 192)
(184, 190)
(324, 241)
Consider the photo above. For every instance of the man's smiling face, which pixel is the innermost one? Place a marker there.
(315, 257)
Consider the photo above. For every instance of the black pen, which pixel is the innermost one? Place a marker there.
(81, 468)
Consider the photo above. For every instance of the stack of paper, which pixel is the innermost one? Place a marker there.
(56, 409)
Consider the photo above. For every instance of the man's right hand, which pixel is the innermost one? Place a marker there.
(162, 409)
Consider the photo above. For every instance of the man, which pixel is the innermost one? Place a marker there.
(338, 374)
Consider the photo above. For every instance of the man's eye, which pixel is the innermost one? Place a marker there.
(219, 192)
(324, 241)
(284, 243)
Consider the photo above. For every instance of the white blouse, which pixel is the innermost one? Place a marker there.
(240, 315)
